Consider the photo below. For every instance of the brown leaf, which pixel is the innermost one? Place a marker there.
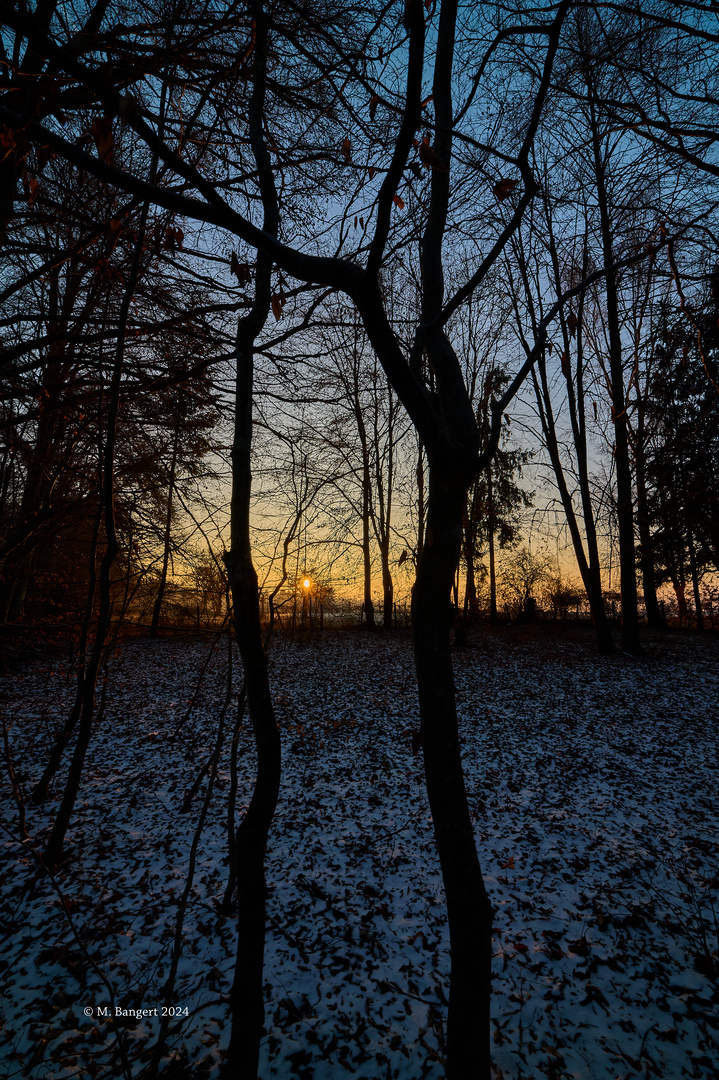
(371, 172)
(8, 142)
(240, 270)
(572, 323)
(278, 302)
(503, 189)
(30, 186)
(566, 370)
(596, 411)
(173, 239)
(113, 228)
(346, 149)
(104, 139)
(398, 201)
(430, 157)
(509, 864)
(373, 103)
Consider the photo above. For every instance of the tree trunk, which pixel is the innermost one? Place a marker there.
(470, 913)
(695, 581)
(420, 501)
(246, 996)
(655, 618)
(469, 529)
(39, 793)
(588, 569)
(387, 586)
(166, 539)
(490, 541)
(625, 513)
(366, 554)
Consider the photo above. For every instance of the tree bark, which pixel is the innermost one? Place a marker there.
(625, 512)
(695, 581)
(246, 995)
(470, 913)
(157, 609)
(655, 618)
(490, 542)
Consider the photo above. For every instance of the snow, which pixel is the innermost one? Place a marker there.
(593, 787)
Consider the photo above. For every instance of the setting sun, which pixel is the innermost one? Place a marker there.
(306, 583)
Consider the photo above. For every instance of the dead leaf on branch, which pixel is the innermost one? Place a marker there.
(30, 187)
(346, 150)
(101, 131)
(278, 302)
(373, 103)
(398, 201)
(572, 323)
(503, 189)
(566, 370)
(241, 270)
(173, 239)
(8, 142)
(429, 156)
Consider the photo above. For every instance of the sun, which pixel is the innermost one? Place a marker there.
(306, 583)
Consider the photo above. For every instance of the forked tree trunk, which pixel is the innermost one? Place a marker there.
(470, 913)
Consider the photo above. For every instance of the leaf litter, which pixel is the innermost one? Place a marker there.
(592, 782)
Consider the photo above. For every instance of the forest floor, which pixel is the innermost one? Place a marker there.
(594, 787)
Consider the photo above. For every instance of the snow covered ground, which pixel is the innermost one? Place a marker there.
(594, 787)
